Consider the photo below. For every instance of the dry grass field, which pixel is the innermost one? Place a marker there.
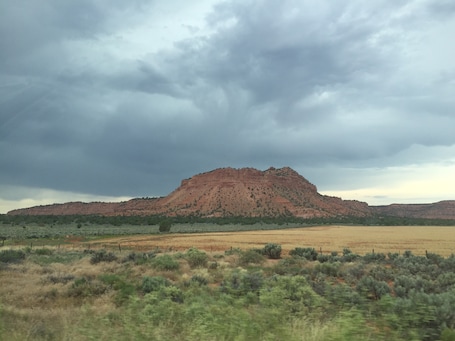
(360, 239)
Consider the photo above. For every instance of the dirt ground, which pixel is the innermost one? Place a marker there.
(360, 239)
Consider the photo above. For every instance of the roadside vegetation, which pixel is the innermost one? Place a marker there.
(256, 294)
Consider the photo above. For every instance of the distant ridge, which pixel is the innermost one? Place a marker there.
(439, 210)
(249, 192)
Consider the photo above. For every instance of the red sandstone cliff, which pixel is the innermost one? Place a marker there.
(246, 192)
(225, 192)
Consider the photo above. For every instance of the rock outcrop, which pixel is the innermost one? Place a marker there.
(225, 192)
(439, 210)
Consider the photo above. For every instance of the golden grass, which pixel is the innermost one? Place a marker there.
(360, 239)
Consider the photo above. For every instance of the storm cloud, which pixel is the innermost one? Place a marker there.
(113, 99)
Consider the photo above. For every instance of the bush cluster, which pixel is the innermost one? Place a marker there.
(12, 256)
(102, 256)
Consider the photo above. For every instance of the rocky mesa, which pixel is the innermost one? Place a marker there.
(225, 192)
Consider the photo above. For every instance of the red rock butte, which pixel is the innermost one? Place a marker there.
(242, 192)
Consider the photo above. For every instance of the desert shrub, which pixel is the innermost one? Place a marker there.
(382, 273)
(165, 263)
(250, 257)
(353, 273)
(445, 282)
(172, 293)
(124, 288)
(448, 264)
(12, 256)
(102, 256)
(233, 251)
(289, 266)
(44, 252)
(372, 288)
(323, 258)
(199, 280)
(392, 256)
(138, 258)
(85, 287)
(307, 253)
(349, 256)
(154, 283)
(434, 258)
(343, 296)
(291, 293)
(329, 269)
(241, 283)
(405, 284)
(196, 258)
(374, 258)
(272, 250)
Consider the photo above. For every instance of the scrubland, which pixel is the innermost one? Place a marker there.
(238, 287)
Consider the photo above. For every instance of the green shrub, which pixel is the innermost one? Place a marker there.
(272, 250)
(124, 288)
(44, 252)
(323, 258)
(291, 293)
(290, 266)
(349, 256)
(173, 293)
(250, 257)
(165, 263)
(448, 335)
(84, 287)
(372, 288)
(102, 256)
(12, 256)
(232, 251)
(307, 253)
(138, 258)
(374, 258)
(196, 258)
(329, 269)
(165, 226)
(154, 283)
(240, 284)
(200, 280)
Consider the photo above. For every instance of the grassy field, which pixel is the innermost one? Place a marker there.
(360, 239)
(217, 286)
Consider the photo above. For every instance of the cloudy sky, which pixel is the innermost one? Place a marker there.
(112, 99)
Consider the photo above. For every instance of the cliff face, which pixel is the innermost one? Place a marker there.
(225, 192)
(250, 192)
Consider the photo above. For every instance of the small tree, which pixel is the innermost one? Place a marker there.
(165, 225)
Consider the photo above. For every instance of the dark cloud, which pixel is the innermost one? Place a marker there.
(90, 103)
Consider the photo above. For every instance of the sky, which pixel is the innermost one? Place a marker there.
(108, 100)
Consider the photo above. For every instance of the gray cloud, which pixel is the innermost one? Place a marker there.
(89, 104)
